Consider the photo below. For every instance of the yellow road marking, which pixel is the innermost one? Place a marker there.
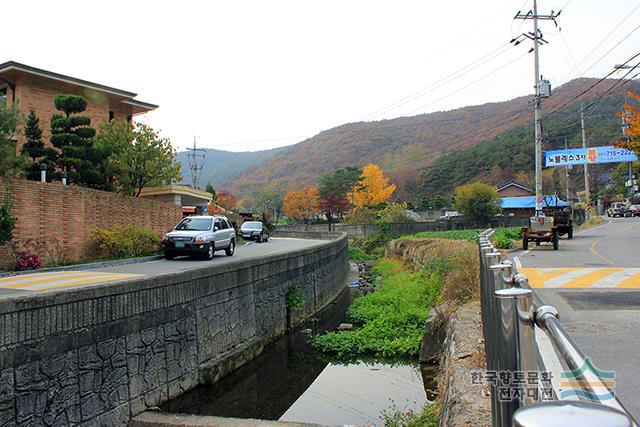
(630, 283)
(590, 278)
(91, 280)
(28, 283)
(598, 254)
(537, 277)
(39, 281)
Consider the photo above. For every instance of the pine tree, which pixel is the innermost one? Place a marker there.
(212, 190)
(34, 147)
(73, 138)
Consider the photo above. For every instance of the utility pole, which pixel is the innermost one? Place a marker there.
(587, 194)
(566, 174)
(625, 138)
(542, 90)
(195, 167)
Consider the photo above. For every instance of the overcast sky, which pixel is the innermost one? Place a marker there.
(250, 75)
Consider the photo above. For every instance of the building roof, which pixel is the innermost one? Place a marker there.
(529, 202)
(514, 184)
(10, 67)
(190, 195)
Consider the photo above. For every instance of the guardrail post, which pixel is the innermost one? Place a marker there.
(516, 355)
(569, 413)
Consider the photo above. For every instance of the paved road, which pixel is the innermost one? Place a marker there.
(62, 280)
(593, 281)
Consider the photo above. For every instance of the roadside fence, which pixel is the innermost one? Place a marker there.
(526, 389)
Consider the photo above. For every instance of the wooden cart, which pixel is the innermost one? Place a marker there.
(541, 229)
(563, 222)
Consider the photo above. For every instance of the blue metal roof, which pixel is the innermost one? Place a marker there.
(529, 202)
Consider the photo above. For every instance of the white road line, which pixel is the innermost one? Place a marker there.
(562, 279)
(614, 279)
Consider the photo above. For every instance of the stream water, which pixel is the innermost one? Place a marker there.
(290, 381)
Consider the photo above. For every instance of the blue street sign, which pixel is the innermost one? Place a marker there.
(591, 155)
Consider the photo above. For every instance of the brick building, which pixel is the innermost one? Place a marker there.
(34, 89)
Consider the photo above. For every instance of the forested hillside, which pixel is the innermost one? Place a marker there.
(510, 155)
(221, 165)
(490, 142)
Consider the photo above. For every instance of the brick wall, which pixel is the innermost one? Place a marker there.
(69, 213)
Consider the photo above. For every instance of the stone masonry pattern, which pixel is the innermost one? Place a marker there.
(103, 355)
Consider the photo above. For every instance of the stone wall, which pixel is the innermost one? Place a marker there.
(67, 214)
(99, 355)
(407, 228)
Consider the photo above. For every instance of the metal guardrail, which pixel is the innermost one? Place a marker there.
(511, 311)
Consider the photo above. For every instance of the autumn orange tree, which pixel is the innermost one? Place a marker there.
(226, 200)
(374, 189)
(632, 117)
(301, 204)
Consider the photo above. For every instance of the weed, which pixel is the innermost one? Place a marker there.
(294, 299)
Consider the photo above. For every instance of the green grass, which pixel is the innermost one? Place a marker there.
(357, 254)
(470, 235)
(390, 321)
(395, 417)
(503, 238)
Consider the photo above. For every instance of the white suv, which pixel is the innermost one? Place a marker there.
(200, 236)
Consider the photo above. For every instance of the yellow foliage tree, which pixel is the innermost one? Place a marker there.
(301, 204)
(632, 117)
(374, 189)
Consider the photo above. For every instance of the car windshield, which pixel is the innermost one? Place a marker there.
(195, 224)
(252, 226)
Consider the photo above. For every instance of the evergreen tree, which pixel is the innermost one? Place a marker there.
(73, 138)
(34, 147)
(210, 189)
(10, 163)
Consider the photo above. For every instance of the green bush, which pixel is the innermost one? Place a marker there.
(390, 321)
(357, 254)
(7, 221)
(120, 242)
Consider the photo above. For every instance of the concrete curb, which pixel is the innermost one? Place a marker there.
(87, 266)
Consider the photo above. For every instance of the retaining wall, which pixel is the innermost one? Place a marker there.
(407, 228)
(67, 214)
(102, 354)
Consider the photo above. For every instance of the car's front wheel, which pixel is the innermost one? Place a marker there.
(210, 251)
(231, 249)
(168, 255)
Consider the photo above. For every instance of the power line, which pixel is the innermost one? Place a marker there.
(442, 82)
(600, 44)
(468, 84)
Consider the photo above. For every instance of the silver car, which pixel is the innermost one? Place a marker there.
(200, 236)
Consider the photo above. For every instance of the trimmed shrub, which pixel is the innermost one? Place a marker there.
(120, 242)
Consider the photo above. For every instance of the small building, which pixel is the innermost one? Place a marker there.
(35, 89)
(513, 189)
(191, 199)
(526, 206)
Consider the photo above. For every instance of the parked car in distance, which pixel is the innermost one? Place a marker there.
(635, 209)
(254, 230)
(451, 214)
(200, 236)
(618, 209)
